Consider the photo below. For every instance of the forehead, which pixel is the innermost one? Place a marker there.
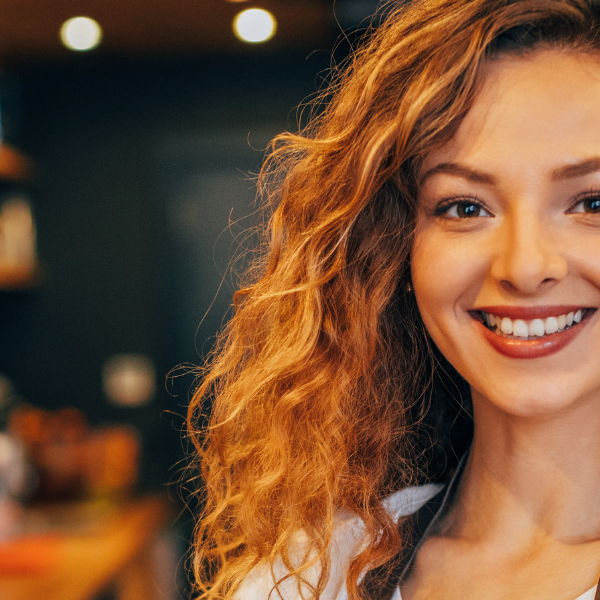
(534, 112)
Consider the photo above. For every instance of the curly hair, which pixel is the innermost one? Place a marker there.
(325, 391)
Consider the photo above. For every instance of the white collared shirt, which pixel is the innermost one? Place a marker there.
(347, 541)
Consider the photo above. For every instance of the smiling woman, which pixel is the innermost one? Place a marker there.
(407, 400)
(522, 199)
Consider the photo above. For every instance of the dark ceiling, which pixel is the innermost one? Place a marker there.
(30, 28)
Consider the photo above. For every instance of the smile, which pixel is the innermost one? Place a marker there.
(531, 332)
(534, 328)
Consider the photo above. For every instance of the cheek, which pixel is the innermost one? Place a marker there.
(448, 275)
(439, 271)
(585, 258)
(434, 280)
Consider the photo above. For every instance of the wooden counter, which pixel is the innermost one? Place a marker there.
(117, 550)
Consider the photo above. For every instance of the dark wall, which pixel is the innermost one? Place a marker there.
(141, 167)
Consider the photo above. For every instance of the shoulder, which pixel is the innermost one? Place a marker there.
(348, 540)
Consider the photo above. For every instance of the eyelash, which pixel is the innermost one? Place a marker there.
(442, 207)
(591, 193)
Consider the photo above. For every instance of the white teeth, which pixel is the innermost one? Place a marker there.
(551, 325)
(520, 328)
(506, 325)
(534, 328)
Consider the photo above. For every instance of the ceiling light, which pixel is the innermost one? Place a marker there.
(254, 25)
(80, 33)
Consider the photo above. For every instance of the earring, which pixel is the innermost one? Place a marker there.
(409, 288)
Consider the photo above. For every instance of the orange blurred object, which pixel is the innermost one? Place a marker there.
(55, 444)
(90, 550)
(29, 424)
(112, 461)
(29, 555)
(73, 461)
(14, 166)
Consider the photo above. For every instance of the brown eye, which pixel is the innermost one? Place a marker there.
(591, 205)
(462, 209)
(465, 210)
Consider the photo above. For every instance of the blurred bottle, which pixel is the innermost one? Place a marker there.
(74, 461)
(55, 443)
(17, 233)
(8, 398)
(13, 475)
(113, 461)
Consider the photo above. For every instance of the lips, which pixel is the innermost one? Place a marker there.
(538, 331)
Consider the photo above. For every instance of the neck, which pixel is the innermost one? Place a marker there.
(530, 479)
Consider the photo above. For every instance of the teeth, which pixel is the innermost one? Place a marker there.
(520, 328)
(551, 325)
(506, 325)
(537, 328)
(534, 328)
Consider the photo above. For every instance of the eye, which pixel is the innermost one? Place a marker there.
(591, 204)
(462, 209)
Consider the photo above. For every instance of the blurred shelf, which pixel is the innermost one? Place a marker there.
(14, 165)
(119, 550)
(19, 278)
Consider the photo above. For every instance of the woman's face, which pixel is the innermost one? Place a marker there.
(508, 237)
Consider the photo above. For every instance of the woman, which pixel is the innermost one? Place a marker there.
(434, 253)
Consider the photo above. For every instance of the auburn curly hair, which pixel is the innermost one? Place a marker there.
(325, 391)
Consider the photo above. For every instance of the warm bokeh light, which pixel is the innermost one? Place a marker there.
(80, 33)
(254, 25)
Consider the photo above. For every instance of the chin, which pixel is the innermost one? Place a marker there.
(534, 401)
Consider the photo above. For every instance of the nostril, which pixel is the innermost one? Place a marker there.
(507, 285)
(527, 285)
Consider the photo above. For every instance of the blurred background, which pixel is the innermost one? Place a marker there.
(130, 131)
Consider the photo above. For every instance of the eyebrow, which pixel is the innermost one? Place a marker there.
(585, 167)
(457, 170)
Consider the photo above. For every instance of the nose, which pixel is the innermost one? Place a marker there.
(528, 257)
